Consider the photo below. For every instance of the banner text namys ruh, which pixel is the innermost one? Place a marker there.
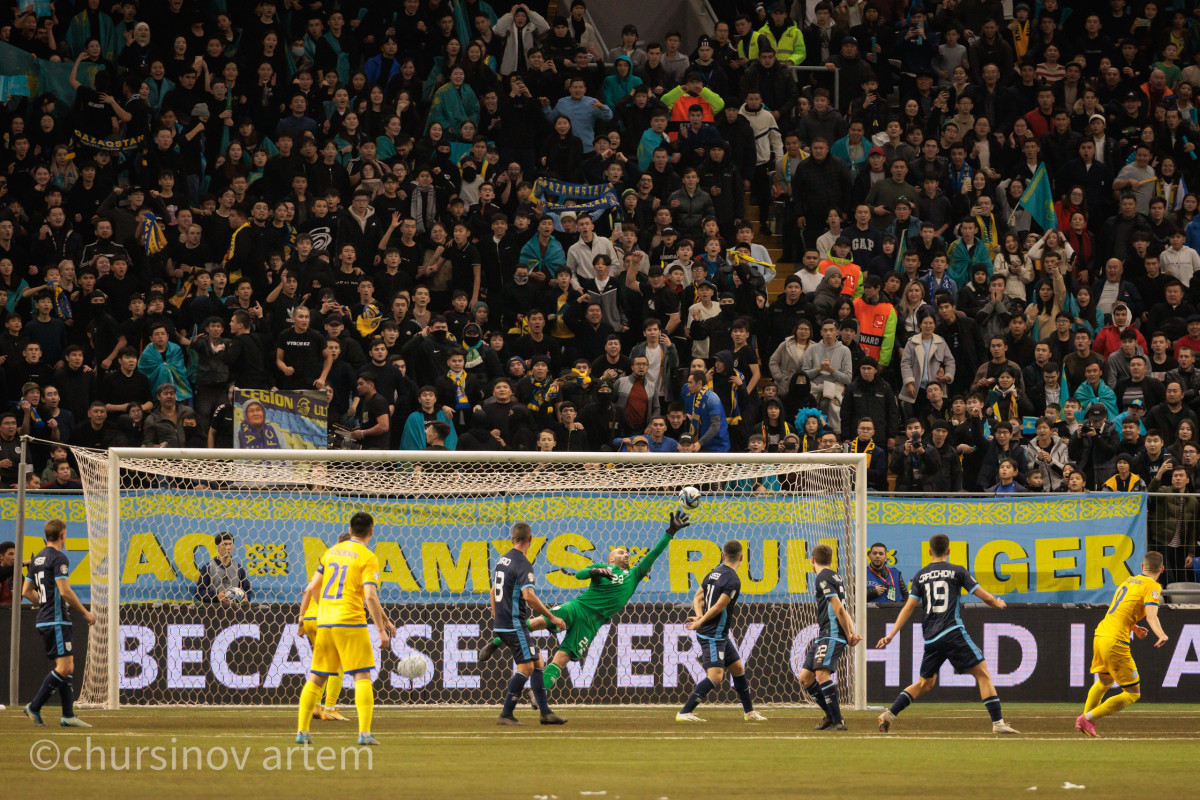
(1063, 548)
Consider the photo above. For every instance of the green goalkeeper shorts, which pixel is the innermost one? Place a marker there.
(582, 625)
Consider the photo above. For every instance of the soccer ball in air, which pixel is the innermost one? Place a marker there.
(689, 498)
(412, 667)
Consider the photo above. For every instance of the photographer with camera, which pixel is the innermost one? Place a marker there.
(915, 463)
(1094, 447)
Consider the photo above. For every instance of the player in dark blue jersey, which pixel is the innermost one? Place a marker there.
(714, 603)
(512, 599)
(49, 586)
(936, 587)
(835, 633)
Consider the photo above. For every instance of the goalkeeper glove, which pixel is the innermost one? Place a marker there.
(679, 521)
(601, 572)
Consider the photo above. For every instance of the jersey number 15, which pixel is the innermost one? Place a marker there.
(40, 583)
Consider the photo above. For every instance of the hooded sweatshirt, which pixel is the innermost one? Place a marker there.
(617, 85)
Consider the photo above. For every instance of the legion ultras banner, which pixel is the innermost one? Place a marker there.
(265, 419)
(1063, 548)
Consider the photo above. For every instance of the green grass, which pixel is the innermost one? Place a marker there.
(941, 749)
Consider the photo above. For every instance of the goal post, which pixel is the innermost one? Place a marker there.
(442, 519)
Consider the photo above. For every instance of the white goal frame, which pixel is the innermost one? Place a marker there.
(116, 455)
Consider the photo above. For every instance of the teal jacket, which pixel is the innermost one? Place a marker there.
(841, 149)
(617, 86)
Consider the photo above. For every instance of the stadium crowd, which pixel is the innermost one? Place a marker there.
(373, 199)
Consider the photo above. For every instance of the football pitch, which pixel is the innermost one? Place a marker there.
(608, 753)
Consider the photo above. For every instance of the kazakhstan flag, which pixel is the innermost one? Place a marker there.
(27, 76)
(1038, 200)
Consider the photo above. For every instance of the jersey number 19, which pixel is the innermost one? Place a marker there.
(937, 598)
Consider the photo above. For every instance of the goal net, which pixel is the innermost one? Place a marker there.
(164, 637)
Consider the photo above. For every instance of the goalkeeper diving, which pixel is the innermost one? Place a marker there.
(612, 586)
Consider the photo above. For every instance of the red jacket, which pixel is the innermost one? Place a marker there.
(1108, 341)
(1187, 341)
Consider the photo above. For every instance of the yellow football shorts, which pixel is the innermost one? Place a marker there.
(310, 630)
(1112, 656)
(344, 650)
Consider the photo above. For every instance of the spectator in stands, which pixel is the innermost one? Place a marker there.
(1094, 446)
(372, 431)
(278, 234)
(301, 356)
(169, 424)
(163, 363)
(913, 460)
(1172, 527)
(8, 572)
(63, 478)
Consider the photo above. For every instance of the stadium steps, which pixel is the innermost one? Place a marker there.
(772, 243)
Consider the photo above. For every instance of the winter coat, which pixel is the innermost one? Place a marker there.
(527, 39)
(875, 400)
(1052, 479)
(785, 365)
(912, 363)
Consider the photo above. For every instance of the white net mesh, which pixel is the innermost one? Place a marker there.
(440, 525)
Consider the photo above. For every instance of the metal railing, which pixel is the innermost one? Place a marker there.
(837, 80)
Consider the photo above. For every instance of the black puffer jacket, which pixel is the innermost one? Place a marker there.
(819, 186)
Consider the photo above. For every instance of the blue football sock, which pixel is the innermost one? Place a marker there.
(829, 689)
(537, 685)
(66, 693)
(742, 688)
(903, 701)
(698, 693)
(49, 686)
(992, 704)
(818, 696)
(513, 693)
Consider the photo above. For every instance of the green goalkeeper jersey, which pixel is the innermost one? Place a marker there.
(607, 596)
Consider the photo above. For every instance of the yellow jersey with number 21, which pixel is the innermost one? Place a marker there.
(1129, 605)
(345, 569)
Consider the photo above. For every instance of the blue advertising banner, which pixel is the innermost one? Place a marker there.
(1060, 549)
(1051, 549)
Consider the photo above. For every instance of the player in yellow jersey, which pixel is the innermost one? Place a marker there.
(310, 608)
(1139, 596)
(348, 580)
